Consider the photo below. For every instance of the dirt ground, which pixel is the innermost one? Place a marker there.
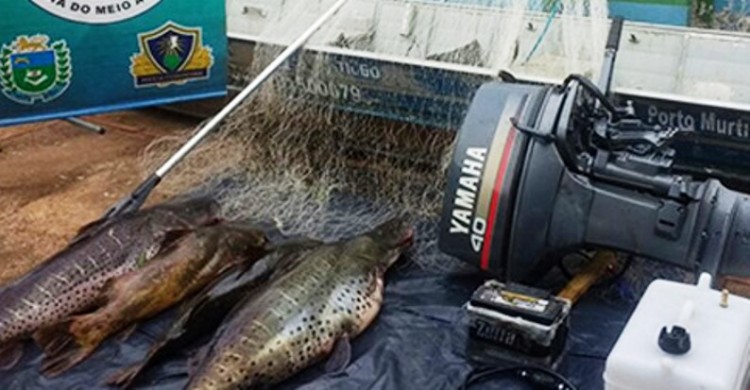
(55, 178)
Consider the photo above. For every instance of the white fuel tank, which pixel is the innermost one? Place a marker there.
(683, 337)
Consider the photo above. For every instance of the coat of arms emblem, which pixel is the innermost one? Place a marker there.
(33, 69)
(171, 54)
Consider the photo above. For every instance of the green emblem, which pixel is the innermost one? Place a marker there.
(32, 70)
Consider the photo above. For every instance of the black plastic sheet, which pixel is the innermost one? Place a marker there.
(418, 342)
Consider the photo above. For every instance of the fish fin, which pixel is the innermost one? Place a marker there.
(61, 349)
(171, 237)
(289, 255)
(195, 360)
(168, 242)
(298, 244)
(88, 230)
(340, 357)
(219, 298)
(126, 377)
(10, 354)
(65, 359)
(54, 338)
(107, 291)
(279, 258)
(125, 334)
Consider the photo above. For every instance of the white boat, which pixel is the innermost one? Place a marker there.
(422, 61)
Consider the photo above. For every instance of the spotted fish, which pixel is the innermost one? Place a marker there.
(71, 280)
(304, 315)
(200, 316)
(182, 269)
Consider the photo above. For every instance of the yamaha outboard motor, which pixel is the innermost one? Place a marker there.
(541, 171)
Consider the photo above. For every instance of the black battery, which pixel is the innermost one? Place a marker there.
(517, 323)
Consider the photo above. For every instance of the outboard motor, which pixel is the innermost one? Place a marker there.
(541, 171)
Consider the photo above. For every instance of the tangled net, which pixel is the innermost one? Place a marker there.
(733, 16)
(315, 172)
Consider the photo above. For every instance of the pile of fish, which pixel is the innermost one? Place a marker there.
(272, 309)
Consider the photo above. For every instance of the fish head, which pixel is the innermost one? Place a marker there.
(389, 240)
(248, 241)
(198, 211)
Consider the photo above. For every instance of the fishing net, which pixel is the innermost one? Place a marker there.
(730, 15)
(312, 170)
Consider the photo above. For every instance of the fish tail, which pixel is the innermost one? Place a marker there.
(10, 353)
(52, 339)
(62, 346)
(124, 378)
(67, 358)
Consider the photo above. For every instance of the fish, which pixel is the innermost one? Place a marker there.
(176, 273)
(71, 280)
(202, 315)
(305, 315)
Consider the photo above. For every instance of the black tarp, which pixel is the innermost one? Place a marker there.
(417, 342)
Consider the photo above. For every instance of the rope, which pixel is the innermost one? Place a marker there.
(556, 8)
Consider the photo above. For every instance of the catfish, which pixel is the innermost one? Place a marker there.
(201, 316)
(308, 313)
(178, 272)
(70, 281)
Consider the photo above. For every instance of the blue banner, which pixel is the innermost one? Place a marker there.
(63, 58)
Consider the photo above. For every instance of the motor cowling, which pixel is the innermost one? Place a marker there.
(542, 171)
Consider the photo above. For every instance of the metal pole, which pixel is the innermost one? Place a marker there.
(138, 197)
(254, 85)
(93, 127)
